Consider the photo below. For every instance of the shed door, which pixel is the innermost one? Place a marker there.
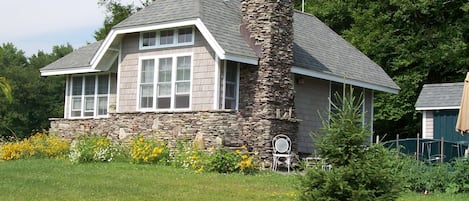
(444, 125)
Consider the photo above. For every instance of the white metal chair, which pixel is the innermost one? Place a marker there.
(281, 145)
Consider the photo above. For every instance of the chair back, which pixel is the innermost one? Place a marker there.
(281, 144)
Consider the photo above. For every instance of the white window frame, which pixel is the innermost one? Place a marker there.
(175, 43)
(236, 98)
(155, 82)
(96, 96)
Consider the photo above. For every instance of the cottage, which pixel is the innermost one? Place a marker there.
(440, 105)
(239, 71)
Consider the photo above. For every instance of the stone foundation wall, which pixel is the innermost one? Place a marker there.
(165, 126)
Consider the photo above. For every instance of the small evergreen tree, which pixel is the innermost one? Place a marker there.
(359, 172)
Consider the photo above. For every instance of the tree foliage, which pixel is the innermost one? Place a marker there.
(359, 172)
(5, 88)
(35, 98)
(416, 42)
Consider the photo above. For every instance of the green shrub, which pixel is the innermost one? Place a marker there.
(189, 157)
(359, 172)
(90, 148)
(460, 176)
(223, 161)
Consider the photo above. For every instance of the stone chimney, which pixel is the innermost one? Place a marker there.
(268, 29)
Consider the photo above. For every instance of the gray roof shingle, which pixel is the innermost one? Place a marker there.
(316, 46)
(162, 11)
(440, 95)
(79, 58)
(319, 48)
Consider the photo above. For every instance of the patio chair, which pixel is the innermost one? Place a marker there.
(281, 145)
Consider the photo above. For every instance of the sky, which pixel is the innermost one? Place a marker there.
(33, 25)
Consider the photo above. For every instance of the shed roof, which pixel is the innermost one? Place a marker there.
(440, 96)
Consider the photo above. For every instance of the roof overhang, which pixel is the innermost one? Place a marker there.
(335, 78)
(86, 69)
(438, 108)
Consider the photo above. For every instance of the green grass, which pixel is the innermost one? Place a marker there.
(42, 179)
(60, 180)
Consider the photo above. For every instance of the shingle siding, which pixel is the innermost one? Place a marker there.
(311, 101)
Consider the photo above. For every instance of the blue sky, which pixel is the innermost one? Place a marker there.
(33, 25)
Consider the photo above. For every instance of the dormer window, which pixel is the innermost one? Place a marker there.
(167, 38)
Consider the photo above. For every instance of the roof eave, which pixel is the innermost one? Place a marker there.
(68, 71)
(341, 79)
(438, 108)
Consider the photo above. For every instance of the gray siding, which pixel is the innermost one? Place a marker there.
(203, 71)
(311, 103)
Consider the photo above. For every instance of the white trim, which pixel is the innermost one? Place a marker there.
(311, 73)
(223, 100)
(115, 32)
(363, 108)
(438, 108)
(216, 91)
(66, 72)
(210, 39)
(238, 72)
(119, 63)
(424, 125)
(372, 111)
(67, 79)
(155, 82)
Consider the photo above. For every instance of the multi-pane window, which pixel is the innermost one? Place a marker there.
(231, 85)
(89, 95)
(165, 83)
(168, 37)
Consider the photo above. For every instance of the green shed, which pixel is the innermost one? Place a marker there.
(440, 104)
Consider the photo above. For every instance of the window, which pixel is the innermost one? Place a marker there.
(165, 83)
(231, 85)
(89, 95)
(167, 38)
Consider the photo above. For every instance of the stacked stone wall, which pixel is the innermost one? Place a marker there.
(270, 109)
(170, 127)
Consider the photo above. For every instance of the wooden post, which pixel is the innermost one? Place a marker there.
(418, 146)
(377, 139)
(442, 146)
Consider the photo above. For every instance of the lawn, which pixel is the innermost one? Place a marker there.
(42, 179)
(61, 180)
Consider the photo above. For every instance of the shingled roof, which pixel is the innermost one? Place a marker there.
(79, 58)
(317, 48)
(440, 96)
